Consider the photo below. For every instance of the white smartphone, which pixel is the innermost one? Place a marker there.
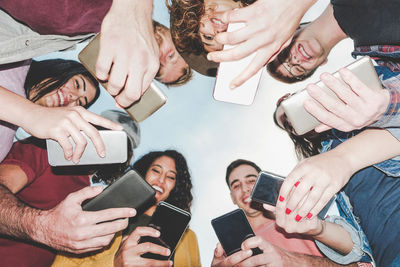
(116, 145)
(227, 71)
(302, 121)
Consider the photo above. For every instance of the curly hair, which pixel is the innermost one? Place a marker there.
(48, 75)
(181, 195)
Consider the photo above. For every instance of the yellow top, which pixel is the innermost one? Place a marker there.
(186, 254)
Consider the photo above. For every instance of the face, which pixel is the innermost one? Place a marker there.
(210, 24)
(241, 182)
(304, 54)
(172, 65)
(77, 91)
(280, 116)
(162, 177)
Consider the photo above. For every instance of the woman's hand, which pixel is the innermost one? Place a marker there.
(130, 251)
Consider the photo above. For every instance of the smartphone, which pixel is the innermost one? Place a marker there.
(267, 187)
(128, 191)
(232, 229)
(227, 71)
(115, 142)
(301, 120)
(152, 100)
(172, 222)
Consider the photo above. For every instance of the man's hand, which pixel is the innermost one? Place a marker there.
(221, 260)
(128, 56)
(67, 228)
(359, 106)
(265, 35)
(130, 250)
(61, 123)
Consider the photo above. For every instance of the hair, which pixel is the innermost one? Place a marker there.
(181, 195)
(48, 75)
(187, 72)
(237, 163)
(185, 18)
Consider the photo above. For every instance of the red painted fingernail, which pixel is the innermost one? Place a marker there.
(311, 188)
(297, 183)
(281, 198)
(298, 217)
(288, 211)
(309, 215)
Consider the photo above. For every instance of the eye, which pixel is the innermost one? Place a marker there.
(208, 37)
(252, 181)
(299, 70)
(171, 55)
(77, 84)
(235, 186)
(155, 170)
(171, 177)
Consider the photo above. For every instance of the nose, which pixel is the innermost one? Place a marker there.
(246, 188)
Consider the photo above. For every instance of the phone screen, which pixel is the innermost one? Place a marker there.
(172, 223)
(267, 187)
(232, 229)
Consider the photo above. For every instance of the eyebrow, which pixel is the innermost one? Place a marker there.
(84, 89)
(247, 176)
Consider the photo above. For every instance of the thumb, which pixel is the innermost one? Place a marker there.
(85, 193)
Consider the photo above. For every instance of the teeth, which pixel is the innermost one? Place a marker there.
(303, 52)
(247, 200)
(159, 189)
(217, 21)
(60, 96)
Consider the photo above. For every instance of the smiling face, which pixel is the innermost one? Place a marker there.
(162, 177)
(210, 25)
(77, 91)
(241, 182)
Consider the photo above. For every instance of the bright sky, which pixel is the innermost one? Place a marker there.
(211, 134)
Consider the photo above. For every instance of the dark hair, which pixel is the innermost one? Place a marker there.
(181, 195)
(48, 75)
(237, 163)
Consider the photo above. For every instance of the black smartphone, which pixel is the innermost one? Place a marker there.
(128, 191)
(232, 229)
(267, 187)
(172, 222)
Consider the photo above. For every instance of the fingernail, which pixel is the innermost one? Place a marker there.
(298, 217)
(309, 215)
(288, 211)
(232, 86)
(281, 198)
(132, 212)
(102, 154)
(209, 57)
(297, 183)
(311, 188)
(168, 251)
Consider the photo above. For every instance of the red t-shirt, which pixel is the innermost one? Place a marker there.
(66, 17)
(44, 190)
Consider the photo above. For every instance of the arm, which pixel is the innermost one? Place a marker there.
(65, 227)
(128, 55)
(130, 251)
(55, 123)
(265, 35)
(323, 175)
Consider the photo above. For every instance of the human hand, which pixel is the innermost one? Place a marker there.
(265, 35)
(128, 55)
(221, 260)
(130, 251)
(360, 105)
(67, 228)
(62, 122)
(310, 186)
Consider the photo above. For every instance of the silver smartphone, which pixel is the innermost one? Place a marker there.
(227, 71)
(116, 146)
(152, 100)
(302, 121)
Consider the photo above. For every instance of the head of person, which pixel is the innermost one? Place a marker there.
(167, 172)
(241, 176)
(60, 83)
(306, 145)
(194, 23)
(173, 68)
(301, 58)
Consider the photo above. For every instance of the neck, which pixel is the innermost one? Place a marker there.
(150, 211)
(258, 220)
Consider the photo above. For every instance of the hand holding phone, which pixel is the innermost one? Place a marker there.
(228, 70)
(232, 229)
(172, 223)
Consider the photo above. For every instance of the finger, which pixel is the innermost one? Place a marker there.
(219, 251)
(155, 263)
(298, 194)
(323, 201)
(110, 214)
(65, 144)
(118, 76)
(356, 85)
(238, 257)
(98, 120)
(149, 75)
(134, 237)
(234, 37)
(153, 248)
(322, 128)
(79, 140)
(132, 91)
(341, 90)
(104, 61)
(93, 243)
(235, 15)
(252, 242)
(269, 207)
(94, 230)
(85, 193)
(304, 209)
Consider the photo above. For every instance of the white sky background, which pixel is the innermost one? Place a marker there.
(211, 134)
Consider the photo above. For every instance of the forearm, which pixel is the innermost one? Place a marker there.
(296, 259)
(335, 237)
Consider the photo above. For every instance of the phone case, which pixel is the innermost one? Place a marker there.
(227, 71)
(152, 100)
(232, 229)
(172, 222)
(115, 142)
(302, 121)
(267, 187)
(128, 191)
